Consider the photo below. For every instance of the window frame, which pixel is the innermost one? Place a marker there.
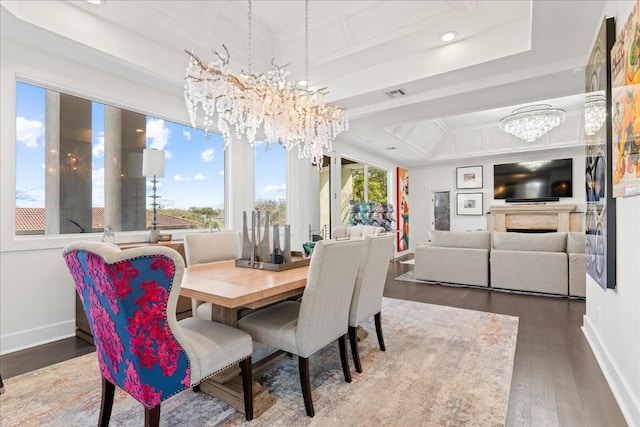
(18, 242)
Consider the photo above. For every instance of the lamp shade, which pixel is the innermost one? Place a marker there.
(153, 163)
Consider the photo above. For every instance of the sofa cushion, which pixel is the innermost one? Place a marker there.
(544, 242)
(575, 243)
(371, 230)
(461, 239)
(355, 231)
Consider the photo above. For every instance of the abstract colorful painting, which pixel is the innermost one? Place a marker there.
(402, 179)
(625, 82)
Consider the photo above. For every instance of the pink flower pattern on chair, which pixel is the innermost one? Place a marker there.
(140, 392)
(126, 305)
(75, 268)
(104, 331)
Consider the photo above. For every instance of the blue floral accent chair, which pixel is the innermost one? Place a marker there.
(130, 300)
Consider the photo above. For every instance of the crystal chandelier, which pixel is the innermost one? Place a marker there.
(595, 113)
(531, 122)
(289, 113)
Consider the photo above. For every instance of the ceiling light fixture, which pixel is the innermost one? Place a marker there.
(448, 36)
(94, 1)
(531, 122)
(290, 115)
(595, 113)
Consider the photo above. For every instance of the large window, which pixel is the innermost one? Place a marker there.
(364, 194)
(79, 168)
(271, 182)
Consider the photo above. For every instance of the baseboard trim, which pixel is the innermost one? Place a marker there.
(38, 336)
(618, 384)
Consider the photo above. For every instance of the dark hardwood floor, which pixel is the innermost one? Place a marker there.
(556, 379)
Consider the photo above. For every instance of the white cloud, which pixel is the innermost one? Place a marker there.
(168, 154)
(97, 184)
(186, 134)
(29, 131)
(98, 149)
(221, 172)
(199, 177)
(208, 155)
(179, 178)
(157, 134)
(274, 191)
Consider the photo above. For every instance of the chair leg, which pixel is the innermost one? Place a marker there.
(342, 342)
(108, 390)
(353, 338)
(247, 387)
(303, 367)
(379, 331)
(152, 416)
(196, 388)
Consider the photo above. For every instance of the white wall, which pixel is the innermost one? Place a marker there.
(612, 321)
(442, 177)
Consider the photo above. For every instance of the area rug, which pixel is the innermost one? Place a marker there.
(443, 367)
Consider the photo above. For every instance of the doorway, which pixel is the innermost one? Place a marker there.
(441, 210)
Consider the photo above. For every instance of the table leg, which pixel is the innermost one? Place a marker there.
(228, 316)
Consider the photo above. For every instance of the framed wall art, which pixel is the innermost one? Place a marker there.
(469, 204)
(469, 177)
(625, 82)
(600, 216)
(402, 180)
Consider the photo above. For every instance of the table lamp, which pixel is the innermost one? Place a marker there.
(153, 167)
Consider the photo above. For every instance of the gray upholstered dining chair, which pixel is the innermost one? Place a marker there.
(367, 293)
(304, 327)
(130, 298)
(200, 248)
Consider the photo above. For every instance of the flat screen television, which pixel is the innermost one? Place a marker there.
(542, 180)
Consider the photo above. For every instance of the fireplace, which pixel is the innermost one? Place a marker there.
(530, 230)
(535, 218)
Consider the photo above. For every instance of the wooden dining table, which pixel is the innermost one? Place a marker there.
(229, 289)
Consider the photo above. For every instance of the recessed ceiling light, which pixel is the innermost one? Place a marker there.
(140, 130)
(94, 1)
(302, 83)
(448, 36)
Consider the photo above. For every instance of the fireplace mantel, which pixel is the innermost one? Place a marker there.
(559, 217)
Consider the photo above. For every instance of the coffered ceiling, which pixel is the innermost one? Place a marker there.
(506, 54)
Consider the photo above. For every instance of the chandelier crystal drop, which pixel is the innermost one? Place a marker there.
(531, 122)
(595, 113)
(287, 112)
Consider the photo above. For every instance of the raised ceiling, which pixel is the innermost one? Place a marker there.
(507, 54)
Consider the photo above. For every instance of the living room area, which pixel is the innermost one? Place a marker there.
(413, 115)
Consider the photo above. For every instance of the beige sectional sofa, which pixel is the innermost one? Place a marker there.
(455, 257)
(530, 262)
(552, 263)
(577, 264)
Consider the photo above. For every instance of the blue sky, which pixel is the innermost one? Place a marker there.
(194, 167)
